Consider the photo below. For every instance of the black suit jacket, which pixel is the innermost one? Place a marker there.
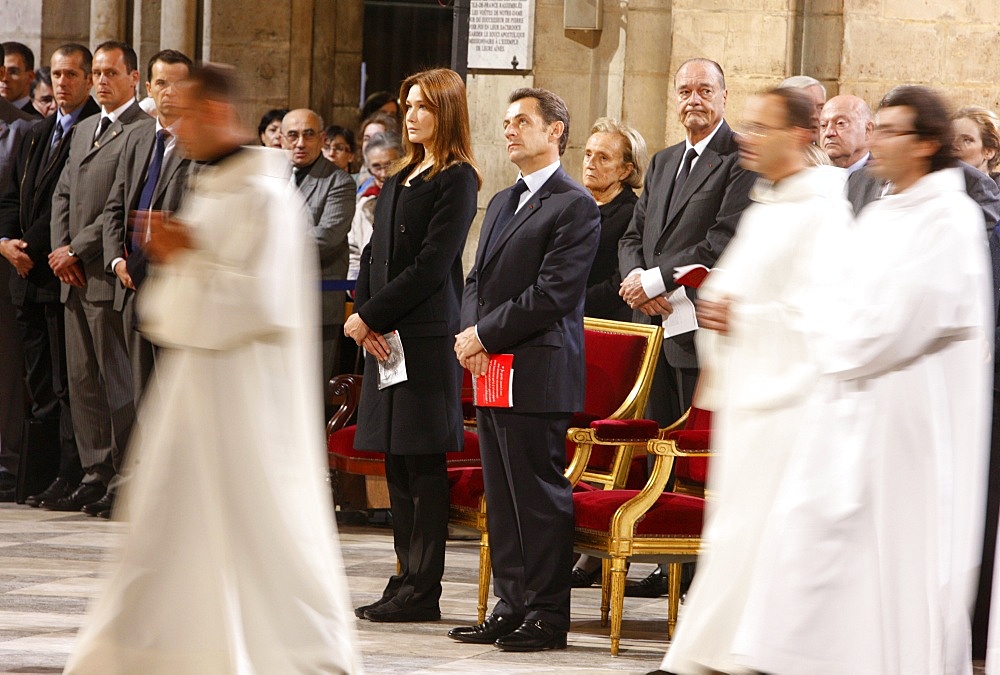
(526, 297)
(695, 228)
(26, 205)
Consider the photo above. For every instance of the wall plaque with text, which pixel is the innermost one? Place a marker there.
(500, 34)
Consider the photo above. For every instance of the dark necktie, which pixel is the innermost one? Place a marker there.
(682, 177)
(101, 128)
(506, 213)
(57, 136)
(152, 176)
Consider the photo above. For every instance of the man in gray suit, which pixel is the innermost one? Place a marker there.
(100, 377)
(329, 194)
(13, 125)
(152, 176)
(694, 194)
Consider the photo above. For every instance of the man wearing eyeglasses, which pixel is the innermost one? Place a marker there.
(329, 194)
(872, 551)
(692, 198)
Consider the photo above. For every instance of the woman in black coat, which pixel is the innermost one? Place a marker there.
(411, 283)
(614, 162)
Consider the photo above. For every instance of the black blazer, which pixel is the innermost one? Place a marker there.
(411, 281)
(695, 228)
(603, 301)
(26, 205)
(526, 296)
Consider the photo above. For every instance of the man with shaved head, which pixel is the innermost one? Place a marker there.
(329, 194)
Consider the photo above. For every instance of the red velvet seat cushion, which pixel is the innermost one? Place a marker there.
(343, 456)
(625, 430)
(465, 486)
(673, 515)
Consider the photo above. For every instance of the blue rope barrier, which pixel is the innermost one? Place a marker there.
(337, 285)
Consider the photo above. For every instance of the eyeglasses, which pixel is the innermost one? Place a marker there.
(337, 147)
(379, 168)
(308, 135)
(895, 133)
(752, 130)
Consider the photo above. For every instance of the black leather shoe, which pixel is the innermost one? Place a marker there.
(76, 500)
(394, 612)
(487, 632)
(60, 487)
(582, 579)
(533, 636)
(101, 506)
(360, 611)
(653, 586)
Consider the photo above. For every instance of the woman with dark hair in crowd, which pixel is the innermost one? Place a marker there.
(380, 101)
(339, 147)
(376, 123)
(269, 129)
(42, 96)
(409, 293)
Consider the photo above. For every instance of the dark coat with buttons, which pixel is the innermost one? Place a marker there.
(411, 281)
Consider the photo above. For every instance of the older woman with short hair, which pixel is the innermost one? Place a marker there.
(614, 163)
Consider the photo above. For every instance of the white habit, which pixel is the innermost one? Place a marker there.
(231, 562)
(870, 559)
(754, 379)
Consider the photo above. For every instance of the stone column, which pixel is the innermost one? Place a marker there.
(178, 25)
(107, 21)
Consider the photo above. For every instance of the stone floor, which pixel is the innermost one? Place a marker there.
(51, 564)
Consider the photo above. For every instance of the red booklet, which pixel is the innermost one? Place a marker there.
(690, 275)
(495, 389)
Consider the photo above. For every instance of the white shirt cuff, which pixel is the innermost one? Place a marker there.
(652, 282)
(114, 264)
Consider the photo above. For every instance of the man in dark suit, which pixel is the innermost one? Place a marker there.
(25, 214)
(694, 194)
(151, 176)
(100, 376)
(329, 194)
(18, 74)
(525, 296)
(14, 124)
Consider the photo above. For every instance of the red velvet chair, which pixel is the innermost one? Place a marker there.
(647, 525)
(621, 358)
(347, 464)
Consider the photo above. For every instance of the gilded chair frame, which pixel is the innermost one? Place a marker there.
(619, 545)
(633, 407)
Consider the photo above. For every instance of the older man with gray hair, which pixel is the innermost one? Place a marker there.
(816, 92)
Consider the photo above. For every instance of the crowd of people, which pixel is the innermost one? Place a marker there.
(843, 342)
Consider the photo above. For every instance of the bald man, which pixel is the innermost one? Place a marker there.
(329, 194)
(846, 128)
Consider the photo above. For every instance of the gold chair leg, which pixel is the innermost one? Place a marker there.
(617, 601)
(605, 590)
(674, 599)
(485, 572)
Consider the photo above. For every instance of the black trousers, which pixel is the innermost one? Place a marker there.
(43, 331)
(418, 497)
(529, 504)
